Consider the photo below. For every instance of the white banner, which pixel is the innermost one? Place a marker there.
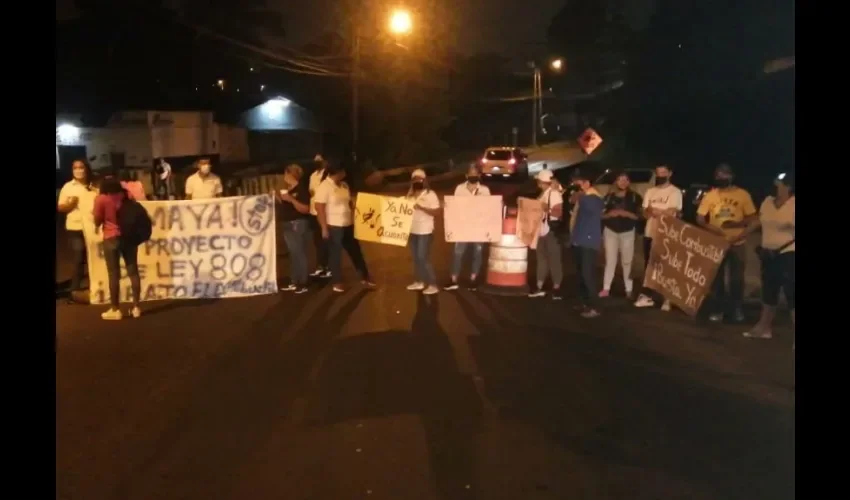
(199, 249)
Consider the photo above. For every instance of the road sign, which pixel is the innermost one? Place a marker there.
(589, 141)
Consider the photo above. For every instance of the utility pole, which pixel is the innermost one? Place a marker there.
(534, 104)
(355, 89)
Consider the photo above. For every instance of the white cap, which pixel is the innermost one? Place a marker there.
(418, 173)
(318, 157)
(544, 176)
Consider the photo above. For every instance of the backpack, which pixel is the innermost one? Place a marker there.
(135, 223)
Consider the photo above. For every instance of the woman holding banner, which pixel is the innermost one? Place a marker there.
(294, 212)
(334, 207)
(472, 187)
(426, 206)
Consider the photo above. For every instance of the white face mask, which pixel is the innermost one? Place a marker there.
(205, 169)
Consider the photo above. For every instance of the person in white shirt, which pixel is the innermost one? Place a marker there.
(663, 198)
(778, 222)
(319, 174)
(549, 249)
(334, 206)
(472, 187)
(76, 200)
(203, 184)
(426, 205)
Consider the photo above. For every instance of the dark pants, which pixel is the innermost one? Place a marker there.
(649, 292)
(78, 256)
(296, 233)
(113, 251)
(320, 243)
(731, 298)
(777, 273)
(588, 285)
(343, 238)
(420, 248)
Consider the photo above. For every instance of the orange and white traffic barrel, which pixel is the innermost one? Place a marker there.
(507, 266)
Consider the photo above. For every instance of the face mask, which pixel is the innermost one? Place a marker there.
(472, 180)
(204, 169)
(418, 185)
(722, 183)
(661, 180)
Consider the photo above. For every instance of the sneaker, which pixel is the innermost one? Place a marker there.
(369, 285)
(590, 313)
(416, 286)
(755, 334)
(301, 289)
(556, 294)
(318, 273)
(537, 293)
(430, 290)
(288, 288)
(451, 287)
(715, 317)
(112, 314)
(644, 301)
(666, 306)
(338, 289)
(136, 312)
(325, 275)
(604, 293)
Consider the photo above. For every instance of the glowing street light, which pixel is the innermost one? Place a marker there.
(401, 22)
(557, 64)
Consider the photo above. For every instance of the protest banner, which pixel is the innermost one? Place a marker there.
(217, 248)
(472, 219)
(383, 219)
(683, 262)
(529, 218)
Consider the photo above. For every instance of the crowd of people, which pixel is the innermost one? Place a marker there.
(320, 209)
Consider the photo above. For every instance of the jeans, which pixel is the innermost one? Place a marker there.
(460, 251)
(549, 259)
(296, 233)
(586, 271)
(113, 251)
(778, 273)
(78, 256)
(320, 243)
(420, 247)
(731, 299)
(622, 245)
(343, 238)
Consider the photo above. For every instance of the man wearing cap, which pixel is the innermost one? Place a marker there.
(549, 250)
(727, 211)
(203, 184)
(319, 174)
(586, 240)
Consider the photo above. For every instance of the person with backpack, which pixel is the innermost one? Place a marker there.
(125, 225)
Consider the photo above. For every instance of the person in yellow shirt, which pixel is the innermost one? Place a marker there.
(728, 211)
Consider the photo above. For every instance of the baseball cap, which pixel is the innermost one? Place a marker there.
(418, 173)
(318, 158)
(544, 176)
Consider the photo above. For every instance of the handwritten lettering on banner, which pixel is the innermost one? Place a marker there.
(383, 219)
(219, 248)
(683, 263)
(529, 218)
(473, 219)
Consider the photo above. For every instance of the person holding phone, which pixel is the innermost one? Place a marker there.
(294, 199)
(76, 201)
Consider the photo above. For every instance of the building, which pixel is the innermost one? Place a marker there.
(135, 139)
(280, 130)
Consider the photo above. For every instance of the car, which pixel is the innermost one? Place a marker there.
(641, 179)
(504, 162)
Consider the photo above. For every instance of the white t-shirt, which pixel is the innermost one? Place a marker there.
(315, 181)
(551, 198)
(479, 190)
(85, 204)
(422, 222)
(778, 225)
(337, 200)
(662, 198)
(203, 188)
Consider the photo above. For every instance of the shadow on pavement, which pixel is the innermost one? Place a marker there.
(398, 372)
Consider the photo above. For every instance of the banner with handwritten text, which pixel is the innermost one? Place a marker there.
(473, 219)
(218, 248)
(383, 219)
(529, 218)
(683, 262)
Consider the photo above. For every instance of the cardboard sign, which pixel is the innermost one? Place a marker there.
(216, 248)
(473, 219)
(683, 262)
(589, 141)
(529, 218)
(383, 219)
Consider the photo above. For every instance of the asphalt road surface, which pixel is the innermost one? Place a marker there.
(392, 395)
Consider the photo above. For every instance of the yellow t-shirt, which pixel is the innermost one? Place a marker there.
(722, 205)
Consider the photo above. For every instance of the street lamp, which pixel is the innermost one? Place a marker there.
(537, 95)
(400, 22)
(556, 64)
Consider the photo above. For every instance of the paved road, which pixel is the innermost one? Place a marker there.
(391, 395)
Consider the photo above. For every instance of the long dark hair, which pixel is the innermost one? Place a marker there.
(111, 185)
(86, 166)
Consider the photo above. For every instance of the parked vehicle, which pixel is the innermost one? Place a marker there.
(504, 162)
